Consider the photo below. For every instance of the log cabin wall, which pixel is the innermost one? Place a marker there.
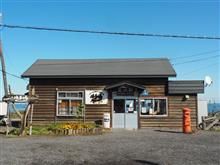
(45, 109)
(46, 89)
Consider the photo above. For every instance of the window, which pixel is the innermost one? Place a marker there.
(153, 107)
(68, 102)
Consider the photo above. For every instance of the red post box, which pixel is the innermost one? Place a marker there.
(186, 121)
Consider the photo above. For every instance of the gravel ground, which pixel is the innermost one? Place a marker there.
(144, 146)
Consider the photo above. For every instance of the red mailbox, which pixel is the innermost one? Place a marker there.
(186, 121)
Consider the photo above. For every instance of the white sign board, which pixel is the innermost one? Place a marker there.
(20, 98)
(96, 97)
(3, 108)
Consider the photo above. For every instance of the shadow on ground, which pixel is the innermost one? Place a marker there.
(169, 131)
(146, 162)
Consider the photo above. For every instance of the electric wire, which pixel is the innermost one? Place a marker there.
(13, 75)
(196, 60)
(123, 33)
(111, 33)
(16, 76)
(194, 55)
(116, 60)
(201, 68)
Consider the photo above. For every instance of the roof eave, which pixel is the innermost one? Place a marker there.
(97, 76)
(186, 87)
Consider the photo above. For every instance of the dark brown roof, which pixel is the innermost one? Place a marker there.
(86, 68)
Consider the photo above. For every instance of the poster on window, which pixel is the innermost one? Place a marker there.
(96, 97)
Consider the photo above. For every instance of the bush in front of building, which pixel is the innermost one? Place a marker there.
(72, 128)
(72, 125)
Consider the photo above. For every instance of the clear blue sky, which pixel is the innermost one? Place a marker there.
(22, 47)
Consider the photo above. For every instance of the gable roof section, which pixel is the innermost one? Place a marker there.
(186, 87)
(125, 83)
(69, 68)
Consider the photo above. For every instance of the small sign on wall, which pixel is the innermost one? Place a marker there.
(96, 97)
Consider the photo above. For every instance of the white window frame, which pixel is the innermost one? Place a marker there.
(153, 98)
(68, 98)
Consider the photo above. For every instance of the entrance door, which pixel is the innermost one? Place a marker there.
(131, 118)
(125, 113)
(119, 113)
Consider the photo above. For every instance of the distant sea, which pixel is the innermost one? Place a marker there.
(213, 107)
(19, 106)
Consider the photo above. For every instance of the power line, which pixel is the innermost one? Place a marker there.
(201, 59)
(194, 55)
(13, 75)
(131, 60)
(111, 33)
(16, 76)
(201, 68)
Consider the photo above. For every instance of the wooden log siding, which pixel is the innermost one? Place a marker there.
(174, 118)
(45, 109)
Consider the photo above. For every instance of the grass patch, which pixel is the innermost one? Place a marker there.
(52, 128)
(39, 130)
(36, 130)
(216, 128)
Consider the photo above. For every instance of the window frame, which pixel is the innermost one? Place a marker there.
(68, 98)
(153, 98)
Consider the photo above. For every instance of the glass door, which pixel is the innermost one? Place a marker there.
(125, 113)
(131, 115)
(118, 115)
(119, 106)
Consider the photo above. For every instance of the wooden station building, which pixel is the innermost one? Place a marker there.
(136, 92)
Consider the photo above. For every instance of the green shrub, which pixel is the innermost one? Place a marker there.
(50, 129)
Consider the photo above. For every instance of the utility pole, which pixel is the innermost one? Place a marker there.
(3, 63)
(5, 83)
(3, 71)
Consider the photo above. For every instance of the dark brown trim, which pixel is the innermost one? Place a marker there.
(125, 83)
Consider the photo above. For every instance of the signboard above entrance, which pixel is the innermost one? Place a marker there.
(96, 97)
(125, 90)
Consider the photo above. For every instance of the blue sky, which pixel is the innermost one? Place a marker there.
(22, 47)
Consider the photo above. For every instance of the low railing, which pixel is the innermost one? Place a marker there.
(209, 122)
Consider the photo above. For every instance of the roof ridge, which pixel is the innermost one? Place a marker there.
(94, 61)
(102, 59)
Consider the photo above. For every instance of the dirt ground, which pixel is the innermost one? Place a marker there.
(145, 146)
